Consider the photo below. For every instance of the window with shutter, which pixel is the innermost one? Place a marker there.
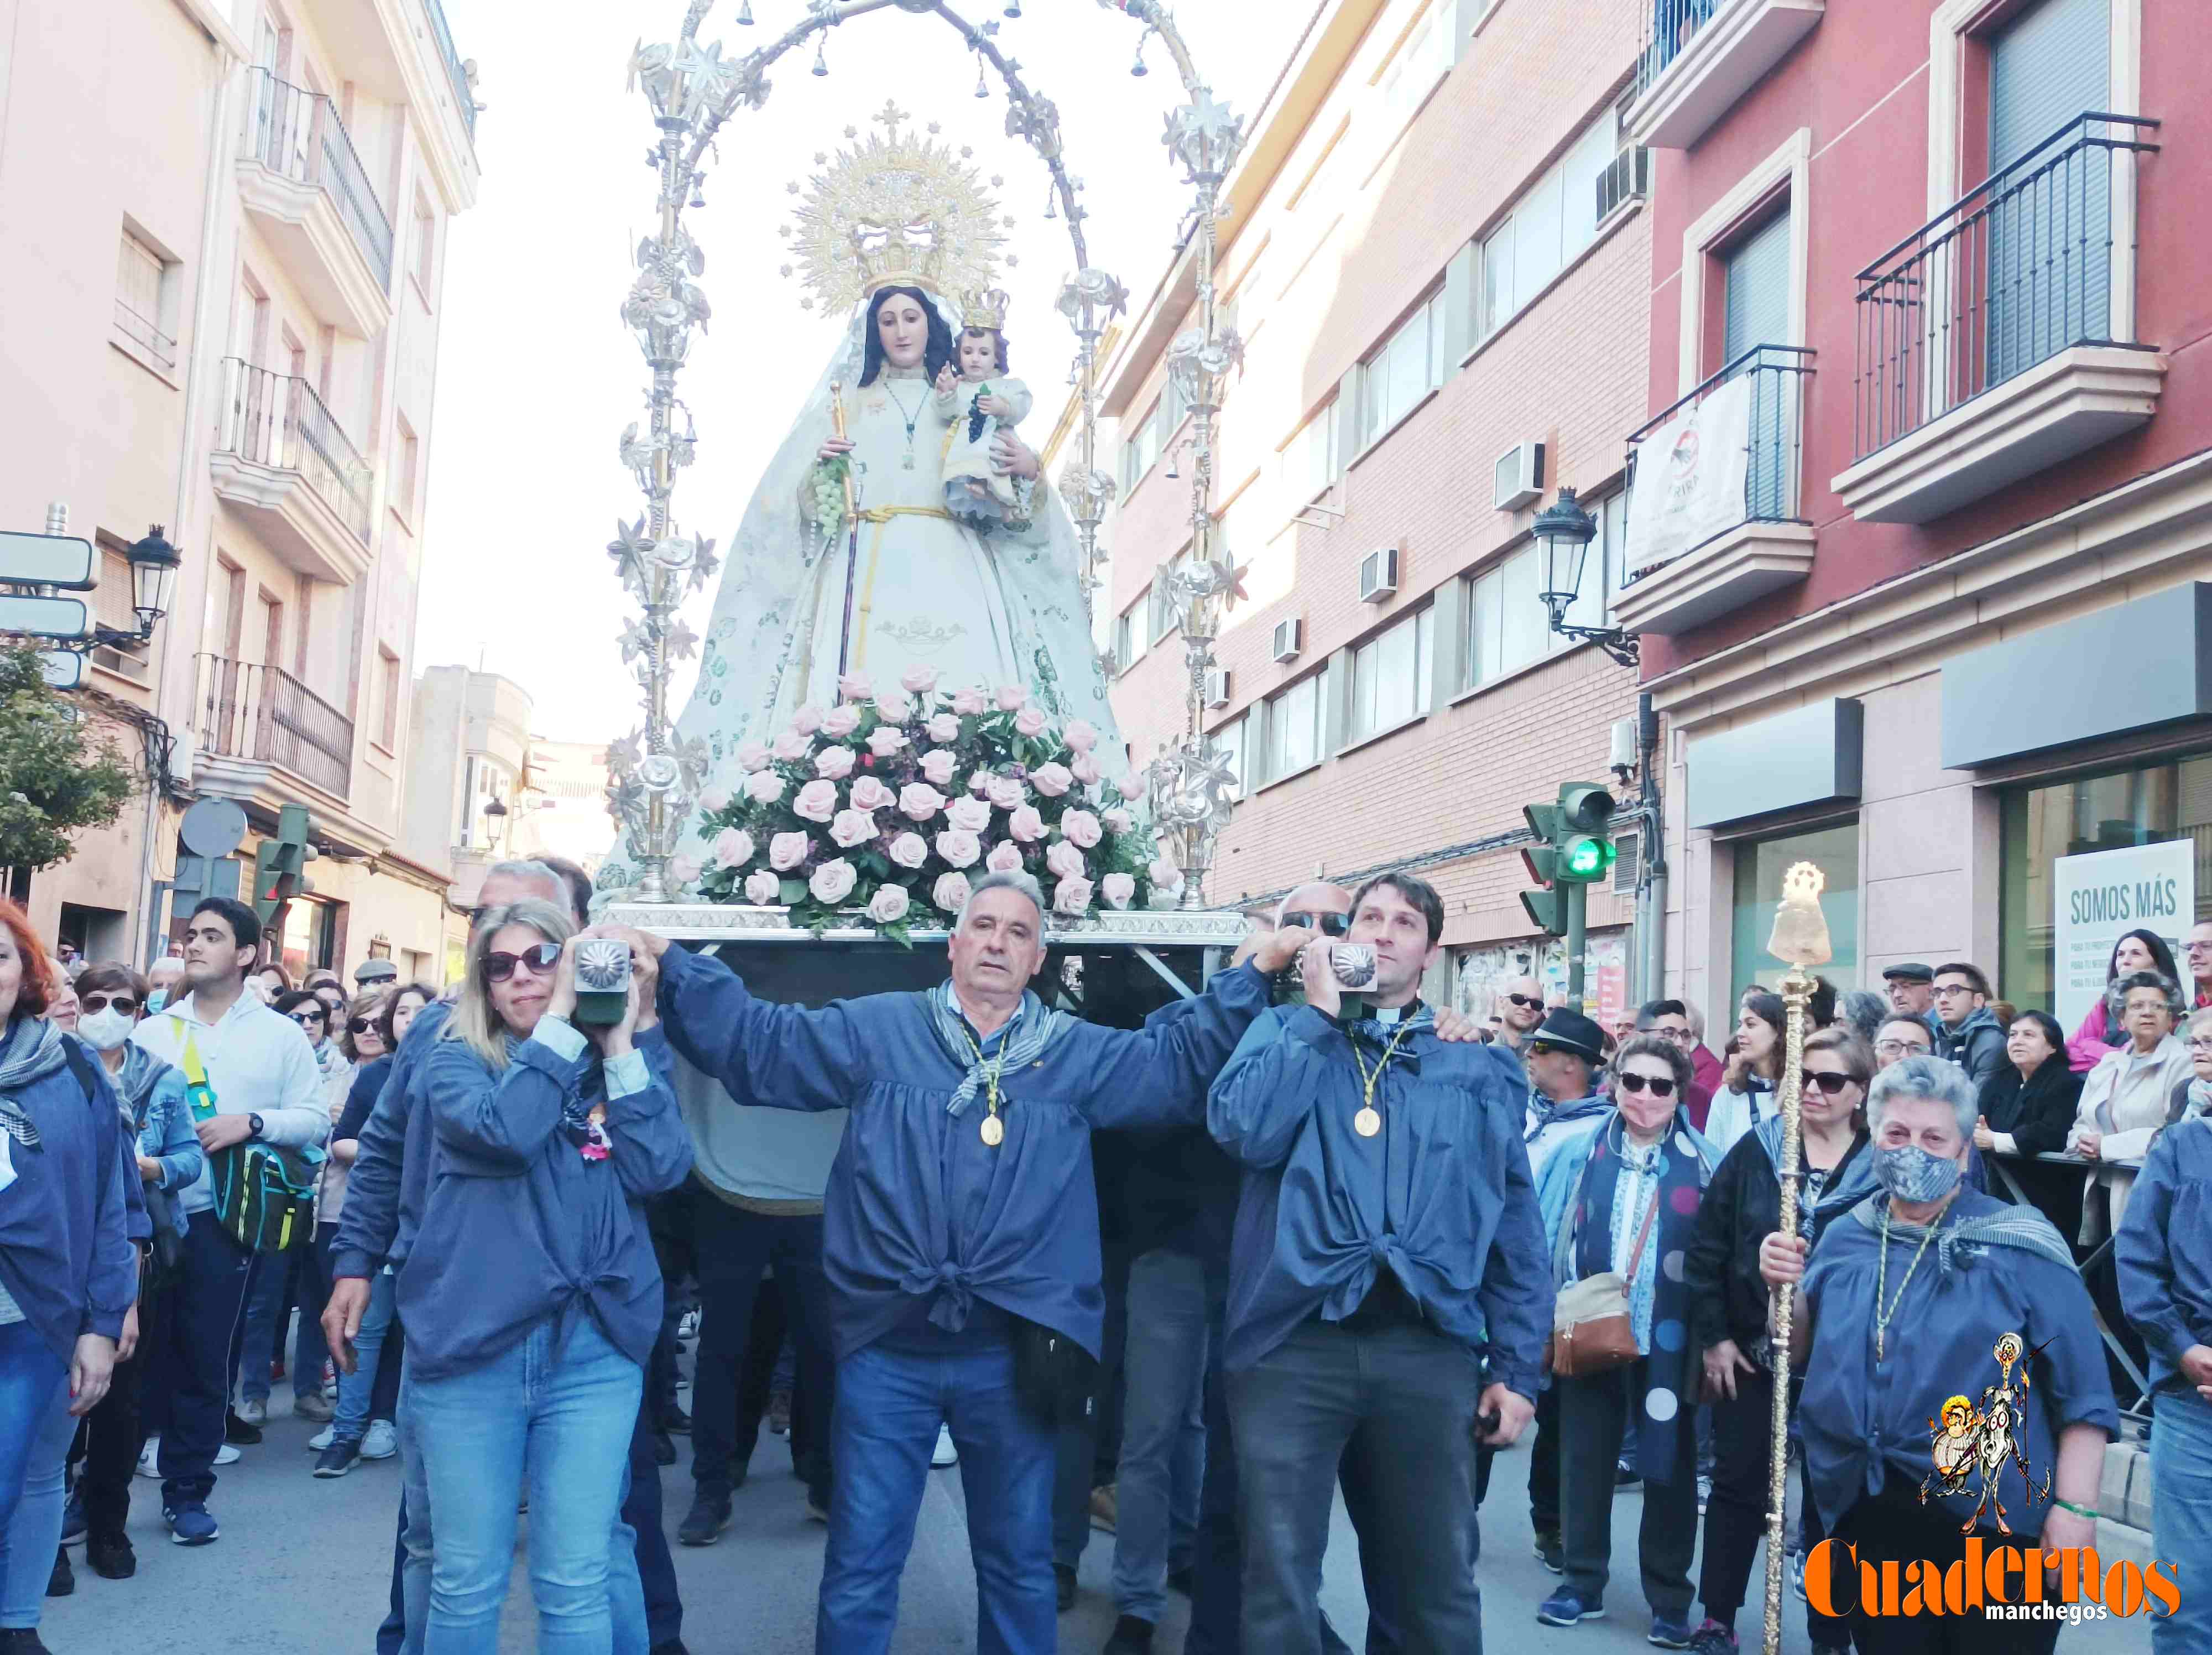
(1756, 313)
(2050, 254)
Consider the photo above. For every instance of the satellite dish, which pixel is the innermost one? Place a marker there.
(213, 828)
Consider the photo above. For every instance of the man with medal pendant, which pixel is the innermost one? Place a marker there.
(1387, 1284)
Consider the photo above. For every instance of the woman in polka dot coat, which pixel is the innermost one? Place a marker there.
(1623, 1197)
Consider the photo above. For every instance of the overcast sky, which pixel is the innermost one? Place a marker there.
(537, 376)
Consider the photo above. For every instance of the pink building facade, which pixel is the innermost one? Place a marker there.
(1949, 646)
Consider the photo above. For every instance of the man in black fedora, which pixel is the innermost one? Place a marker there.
(1563, 1054)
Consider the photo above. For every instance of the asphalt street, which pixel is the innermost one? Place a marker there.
(302, 1568)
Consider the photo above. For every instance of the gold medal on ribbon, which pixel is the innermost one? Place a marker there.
(994, 1131)
(1367, 1123)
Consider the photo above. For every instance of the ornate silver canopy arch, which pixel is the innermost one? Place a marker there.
(693, 90)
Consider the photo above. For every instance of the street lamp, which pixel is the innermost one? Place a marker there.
(494, 820)
(1564, 532)
(154, 565)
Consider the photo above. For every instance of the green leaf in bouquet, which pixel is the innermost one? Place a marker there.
(793, 892)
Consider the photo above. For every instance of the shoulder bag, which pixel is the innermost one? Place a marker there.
(1592, 1331)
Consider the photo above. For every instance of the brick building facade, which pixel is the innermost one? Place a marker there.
(1431, 268)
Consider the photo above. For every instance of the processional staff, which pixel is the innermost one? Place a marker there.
(852, 528)
(1800, 941)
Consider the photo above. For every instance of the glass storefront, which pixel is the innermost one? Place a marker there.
(1479, 975)
(1759, 866)
(308, 936)
(2151, 804)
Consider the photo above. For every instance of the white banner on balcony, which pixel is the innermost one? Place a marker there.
(1690, 476)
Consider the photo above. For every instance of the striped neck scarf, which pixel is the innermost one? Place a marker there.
(1032, 1029)
(30, 1051)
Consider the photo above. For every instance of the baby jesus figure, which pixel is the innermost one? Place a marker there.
(980, 401)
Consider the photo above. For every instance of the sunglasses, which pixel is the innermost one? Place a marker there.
(500, 966)
(303, 1017)
(363, 1025)
(124, 1003)
(1829, 1082)
(1329, 925)
(1544, 1049)
(1527, 1002)
(1659, 1085)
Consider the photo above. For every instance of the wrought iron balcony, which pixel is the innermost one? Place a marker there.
(464, 97)
(280, 455)
(304, 177)
(1700, 56)
(1718, 550)
(262, 715)
(2006, 299)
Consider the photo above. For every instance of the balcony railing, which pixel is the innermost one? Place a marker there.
(264, 714)
(1773, 438)
(275, 420)
(1668, 27)
(297, 133)
(2018, 270)
(148, 335)
(464, 97)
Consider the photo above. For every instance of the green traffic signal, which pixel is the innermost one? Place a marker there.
(1586, 860)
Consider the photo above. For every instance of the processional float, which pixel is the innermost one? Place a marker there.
(694, 89)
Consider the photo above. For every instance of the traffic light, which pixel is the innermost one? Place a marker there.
(1586, 851)
(1548, 908)
(279, 864)
(1572, 852)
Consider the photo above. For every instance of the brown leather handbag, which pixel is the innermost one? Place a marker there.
(1592, 1331)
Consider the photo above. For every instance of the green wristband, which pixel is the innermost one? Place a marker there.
(2089, 1512)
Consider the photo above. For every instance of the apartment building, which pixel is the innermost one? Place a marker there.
(1936, 264)
(1436, 251)
(226, 222)
(469, 786)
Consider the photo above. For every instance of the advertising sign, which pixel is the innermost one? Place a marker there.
(2098, 897)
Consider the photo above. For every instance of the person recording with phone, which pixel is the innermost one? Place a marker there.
(532, 1361)
(1364, 1297)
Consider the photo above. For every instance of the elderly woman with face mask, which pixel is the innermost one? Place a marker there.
(1924, 1290)
(2136, 1092)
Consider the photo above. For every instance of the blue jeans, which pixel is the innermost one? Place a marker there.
(354, 1389)
(2181, 1515)
(36, 1437)
(890, 1400)
(187, 1390)
(635, 1631)
(563, 1416)
(1163, 1431)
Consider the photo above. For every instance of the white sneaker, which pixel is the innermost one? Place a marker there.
(227, 1454)
(380, 1441)
(322, 1439)
(945, 1453)
(149, 1459)
(252, 1411)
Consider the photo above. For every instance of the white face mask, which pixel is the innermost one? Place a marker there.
(106, 1029)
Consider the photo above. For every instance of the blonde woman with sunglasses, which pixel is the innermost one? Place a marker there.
(531, 1297)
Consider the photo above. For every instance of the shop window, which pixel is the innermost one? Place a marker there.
(2149, 805)
(1759, 866)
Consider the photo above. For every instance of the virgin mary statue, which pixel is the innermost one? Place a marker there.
(814, 589)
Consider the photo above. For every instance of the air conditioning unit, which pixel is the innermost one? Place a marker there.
(1628, 178)
(1289, 638)
(1378, 576)
(1518, 479)
(1217, 687)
